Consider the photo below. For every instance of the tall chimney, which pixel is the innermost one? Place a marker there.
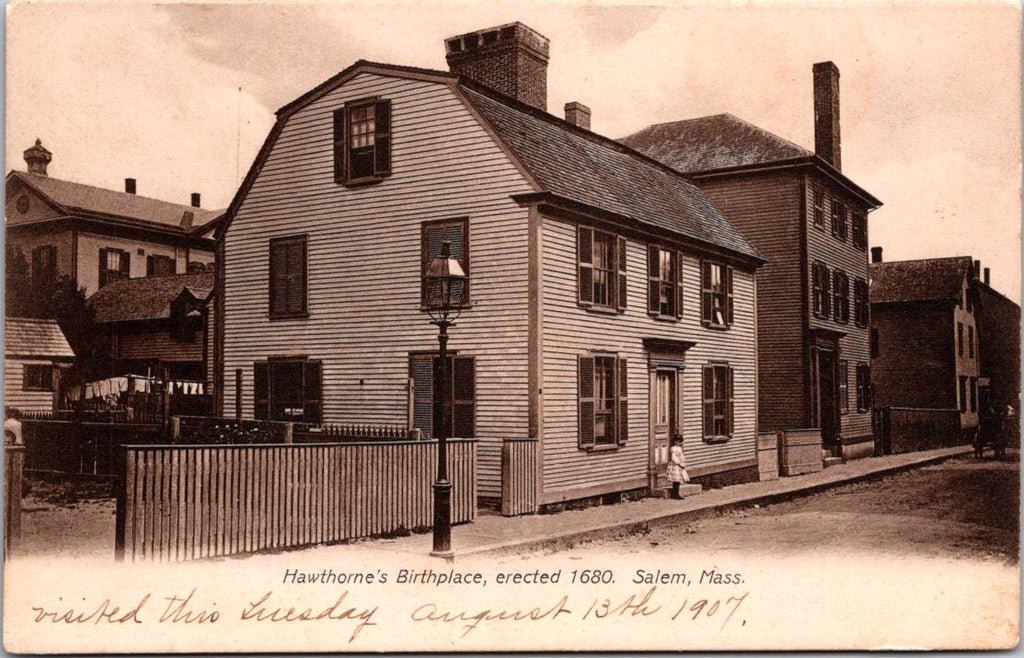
(37, 157)
(129, 185)
(195, 199)
(876, 254)
(511, 59)
(578, 114)
(826, 113)
(986, 276)
(977, 269)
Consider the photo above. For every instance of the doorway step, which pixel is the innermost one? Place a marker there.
(828, 459)
(685, 490)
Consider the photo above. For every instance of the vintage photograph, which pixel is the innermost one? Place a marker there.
(450, 326)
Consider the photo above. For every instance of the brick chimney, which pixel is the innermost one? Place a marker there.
(826, 113)
(129, 185)
(977, 269)
(876, 254)
(37, 157)
(578, 114)
(511, 59)
(195, 199)
(986, 276)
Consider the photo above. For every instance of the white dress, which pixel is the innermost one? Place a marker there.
(677, 465)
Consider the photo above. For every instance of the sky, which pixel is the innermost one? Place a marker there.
(181, 96)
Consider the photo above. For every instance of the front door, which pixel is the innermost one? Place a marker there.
(827, 394)
(665, 404)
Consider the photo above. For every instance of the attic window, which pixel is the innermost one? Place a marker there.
(362, 142)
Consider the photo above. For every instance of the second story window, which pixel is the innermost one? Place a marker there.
(44, 264)
(159, 265)
(820, 289)
(841, 296)
(456, 233)
(664, 282)
(115, 264)
(601, 265)
(860, 302)
(288, 277)
(860, 230)
(839, 220)
(819, 207)
(362, 141)
(716, 294)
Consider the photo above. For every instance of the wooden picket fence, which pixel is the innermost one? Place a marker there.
(190, 502)
(518, 476)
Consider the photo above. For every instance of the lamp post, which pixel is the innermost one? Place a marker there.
(445, 286)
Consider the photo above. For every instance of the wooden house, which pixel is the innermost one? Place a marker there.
(998, 319)
(926, 349)
(611, 304)
(809, 220)
(35, 352)
(158, 324)
(97, 235)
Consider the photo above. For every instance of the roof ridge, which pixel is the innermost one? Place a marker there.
(110, 191)
(925, 260)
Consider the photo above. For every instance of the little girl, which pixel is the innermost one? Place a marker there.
(677, 466)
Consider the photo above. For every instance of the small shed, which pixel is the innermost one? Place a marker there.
(34, 351)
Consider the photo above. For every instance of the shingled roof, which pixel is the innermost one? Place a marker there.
(581, 166)
(919, 280)
(709, 143)
(35, 338)
(147, 298)
(79, 198)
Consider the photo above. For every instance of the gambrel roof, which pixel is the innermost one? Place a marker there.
(77, 198)
(919, 280)
(147, 298)
(565, 163)
(35, 338)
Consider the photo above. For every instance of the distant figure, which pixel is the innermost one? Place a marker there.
(677, 466)
(1007, 431)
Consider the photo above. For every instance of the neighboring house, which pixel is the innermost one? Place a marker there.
(925, 352)
(97, 235)
(158, 323)
(611, 304)
(35, 351)
(998, 320)
(809, 221)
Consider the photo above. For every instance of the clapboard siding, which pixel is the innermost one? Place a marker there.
(765, 208)
(569, 331)
(158, 345)
(364, 262)
(15, 396)
(836, 254)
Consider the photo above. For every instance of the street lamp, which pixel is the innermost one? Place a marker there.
(445, 287)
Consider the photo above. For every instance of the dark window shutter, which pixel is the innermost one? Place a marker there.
(708, 387)
(653, 279)
(707, 302)
(126, 259)
(103, 267)
(678, 257)
(339, 145)
(732, 402)
(433, 235)
(261, 390)
(585, 372)
(421, 369)
(464, 397)
(623, 427)
(382, 138)
(728, 272)
(278, 279)
(621, 282)
(456, 235)
(826, 291)
(585, 259)
(312, 394)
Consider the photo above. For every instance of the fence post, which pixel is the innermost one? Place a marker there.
(121, 490)
(288, 432)
(410, 390)
(238, 395)
(14, 462)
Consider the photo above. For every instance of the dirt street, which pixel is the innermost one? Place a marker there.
(961, 508)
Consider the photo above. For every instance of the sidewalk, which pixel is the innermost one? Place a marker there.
(495, 535)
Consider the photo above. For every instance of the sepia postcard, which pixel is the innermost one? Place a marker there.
(515, 326)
